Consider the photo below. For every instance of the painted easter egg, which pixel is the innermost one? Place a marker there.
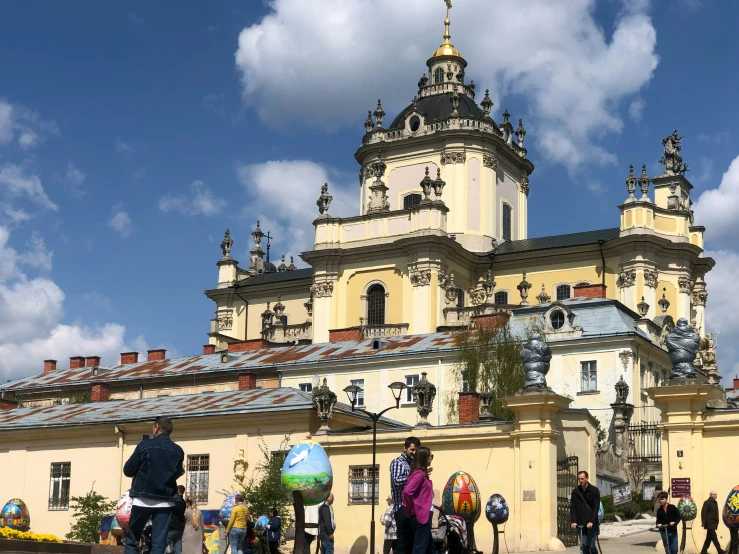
(228, 504)
(687, 508)
(731, 509)
(461, 497)
(601, 513)
(15, 515)
(496, 510)
(123, 511)
(260, 524)
(116, 530)
(307, 470)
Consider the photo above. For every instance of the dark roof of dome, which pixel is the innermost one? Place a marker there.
(269, 267)
(439, 107)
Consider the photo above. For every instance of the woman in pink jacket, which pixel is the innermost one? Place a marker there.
(418, 497)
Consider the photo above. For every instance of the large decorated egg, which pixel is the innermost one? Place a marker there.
(116, 530)
(461, 497)
(601, 513)
(731, 509)
(15, 515)
(228, 504)
(687, 508)
(260, 524)
(496, 510)
(307, 470)
(123, 511)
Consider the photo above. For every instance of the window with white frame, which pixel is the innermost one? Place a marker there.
(410, 380)
(59, 485)
(306, 387)
(360, 393)
(198, 477)
(589, 376)
(563, 292)
(360, 484)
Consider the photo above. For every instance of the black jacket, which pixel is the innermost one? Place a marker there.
(709, 514)
(324, 520)
(177, 522)
(155, 466)
(584, 505)
(664, 518)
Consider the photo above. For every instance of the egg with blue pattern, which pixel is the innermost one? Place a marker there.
(307, 470)
(228, 504)
(461, 497)
(260, 524)
(601, 513)
(496, 510)
(15, 515)
(687, 508)
(731, 509)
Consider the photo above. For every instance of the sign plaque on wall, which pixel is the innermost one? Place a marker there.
(529, 495)
(680, 486)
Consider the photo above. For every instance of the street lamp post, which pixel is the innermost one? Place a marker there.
(351, 392)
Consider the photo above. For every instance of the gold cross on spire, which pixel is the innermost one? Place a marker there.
(448, 6)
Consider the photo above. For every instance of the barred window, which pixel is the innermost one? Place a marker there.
(563, 292)
(59, 485)
(411, 200)
(198, 477)
(376, 305)
(589, 372)
(410, 380)
(360, 484)
(501, 297)
(507, 212)
(306, 387)
(438, 76)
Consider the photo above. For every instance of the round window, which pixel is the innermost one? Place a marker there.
(558, 319)
(415, 123)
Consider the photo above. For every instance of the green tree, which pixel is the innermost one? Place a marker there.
(489, 361)
(89, 510)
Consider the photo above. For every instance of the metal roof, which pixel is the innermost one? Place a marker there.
(557, 241)
(276, 277)
(253, 401)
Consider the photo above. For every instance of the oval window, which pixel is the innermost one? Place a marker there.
(414, 123)
(558, 319)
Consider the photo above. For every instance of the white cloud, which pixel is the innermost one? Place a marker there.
(120, 221)
(122, 146)
(24, 125)
(37, 255)
(15, 182)
(722, 310)
(636, 108)
(282, 195)
(200, 201)
(313, 63)
(717, 209)
(13, 214)
(75, 175)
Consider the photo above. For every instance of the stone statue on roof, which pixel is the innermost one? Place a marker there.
(682, 346)
(671, 158)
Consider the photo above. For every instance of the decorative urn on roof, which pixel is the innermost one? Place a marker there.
(324, 400)
(424, 393)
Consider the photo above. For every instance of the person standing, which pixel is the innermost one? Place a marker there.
(194, 534)
(667, 519)
(418, 497)
(709, 521)
(391, 535)
(177, 522)
(236, 528)
(311, 526)
(584, 504)
(326, 526)
(273, 532)
(154, 467)
(400, 469)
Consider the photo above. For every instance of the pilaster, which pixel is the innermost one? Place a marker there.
(420, 278)
(322, 310)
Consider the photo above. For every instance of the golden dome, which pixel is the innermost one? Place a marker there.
(446, 48)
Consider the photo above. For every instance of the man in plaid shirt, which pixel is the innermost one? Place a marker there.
(400, 469)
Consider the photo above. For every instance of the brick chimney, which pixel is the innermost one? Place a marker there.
(589, 291)
(469, 407)
(736, 383)
(247, 381)
(129, 358)
(8, 404)
(155, 355)
(76, 362)
(92, 361)
(209, 349)
(350, 333)
(49, 365)
(247, 345)
(100, 392)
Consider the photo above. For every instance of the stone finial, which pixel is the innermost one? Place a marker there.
(644, 182)
(671, 158)
(426, 185)
(424, 393)
(282, 267)
(454, 99)
(523, 288)
(267, 317)
(631, 182)
(257, 234)
(506, 116)
(488, 286)
(324, 400)
(378, 201)
(324, 200)
(535, 357)
(664, 304)
(487, 104)
(279, 308)
(423, 81)
(309, 306)
(643, 308)
(368, 123)
(450, 290)
(438, 185)
(291, 267)
(520, 133)
(379, 113)
(622, 391)
(682, 346)
(227, 244)
(543, 297)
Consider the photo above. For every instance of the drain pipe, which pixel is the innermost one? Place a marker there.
(603, 259)
(121, 433)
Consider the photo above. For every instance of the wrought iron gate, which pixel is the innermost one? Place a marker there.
(566, 481)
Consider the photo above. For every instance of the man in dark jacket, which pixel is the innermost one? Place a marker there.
(667, 519)
(273, 532)
(326, 526)
(155, 466)
(709, 521)
(177, 523)
(584, 504)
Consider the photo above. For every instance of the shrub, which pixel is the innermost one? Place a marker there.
(89, 510)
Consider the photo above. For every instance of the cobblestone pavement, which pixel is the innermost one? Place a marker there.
(640, 542)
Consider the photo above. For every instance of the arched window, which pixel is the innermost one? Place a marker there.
(411, 200)
(563, 292)
(460, 298)
(376, 305)
(438, 76)
(507, 211)
(501, 297)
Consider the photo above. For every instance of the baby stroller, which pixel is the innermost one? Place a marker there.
(145, 547)
(450, 536)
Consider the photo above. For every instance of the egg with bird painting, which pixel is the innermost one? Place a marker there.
(307, 470)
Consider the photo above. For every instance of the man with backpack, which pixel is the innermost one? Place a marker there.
(584, 505)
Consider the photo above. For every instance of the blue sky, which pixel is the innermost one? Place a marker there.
(132, 135)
